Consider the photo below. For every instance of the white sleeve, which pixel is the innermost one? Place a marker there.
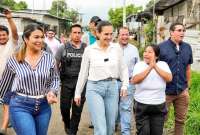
(83, 74)
(138, 68)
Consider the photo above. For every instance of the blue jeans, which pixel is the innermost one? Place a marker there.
(125, 110)
(29, 116)
(102, 98)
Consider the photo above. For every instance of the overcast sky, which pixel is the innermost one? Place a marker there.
(87, 8)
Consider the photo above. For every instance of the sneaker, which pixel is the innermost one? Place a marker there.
(2, 132)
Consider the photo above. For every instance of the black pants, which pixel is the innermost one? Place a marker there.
(149, 118)
(67, 102)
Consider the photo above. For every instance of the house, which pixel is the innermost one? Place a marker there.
(22, 18)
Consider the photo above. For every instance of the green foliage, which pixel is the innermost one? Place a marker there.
(21, 5)
(14, 5)
(149, 31)
(59, 8)
(116, 15)
(193, 118)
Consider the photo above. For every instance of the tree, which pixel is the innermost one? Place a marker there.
(21, 5)
(59, 7)
(14, 5)
(72, 14)
(116, 15)
(150, 4)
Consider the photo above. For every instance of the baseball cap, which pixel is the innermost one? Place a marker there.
(95, 19)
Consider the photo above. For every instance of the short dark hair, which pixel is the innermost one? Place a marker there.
(95, 20)
(4, 28)
(124, 27)
(102, 24)
(156, 50)
(173, 25)
(75, 25)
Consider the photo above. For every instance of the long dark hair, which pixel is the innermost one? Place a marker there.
(20, 55)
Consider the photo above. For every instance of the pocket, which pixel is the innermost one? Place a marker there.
(91, 85)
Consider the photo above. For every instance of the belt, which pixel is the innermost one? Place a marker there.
(109, 79)
(120, 80)
(29, 96)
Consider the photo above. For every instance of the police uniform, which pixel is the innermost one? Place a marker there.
(70, 62)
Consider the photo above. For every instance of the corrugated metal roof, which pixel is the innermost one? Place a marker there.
(165, 4)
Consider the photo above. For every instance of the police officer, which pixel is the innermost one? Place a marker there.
(68, 59)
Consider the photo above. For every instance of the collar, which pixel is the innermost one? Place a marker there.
(72, 45)
(172, 42)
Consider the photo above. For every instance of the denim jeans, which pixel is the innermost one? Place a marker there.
(102, 98)
(125, 110)
(29, 116)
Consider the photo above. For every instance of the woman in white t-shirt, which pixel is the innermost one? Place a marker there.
(150, 77)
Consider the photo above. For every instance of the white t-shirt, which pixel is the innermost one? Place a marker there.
(152, 89)
(53, 44)
(5, 52)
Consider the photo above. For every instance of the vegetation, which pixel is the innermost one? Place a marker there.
(59, 8)
(193, 120)
(149, 32)
(116, 15)
(14, 5)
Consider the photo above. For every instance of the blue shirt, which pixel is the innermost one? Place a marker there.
(92, 38)
(130, 57)
(178, 60)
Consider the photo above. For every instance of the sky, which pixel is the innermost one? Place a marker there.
(87, 8)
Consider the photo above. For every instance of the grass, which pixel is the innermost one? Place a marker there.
(192, 126)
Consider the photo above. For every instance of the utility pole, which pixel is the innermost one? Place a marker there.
(58, 32)
(33, 6)
(124, 12)
(154, 22)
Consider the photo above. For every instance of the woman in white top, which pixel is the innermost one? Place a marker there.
(150, 77)
(101, 65)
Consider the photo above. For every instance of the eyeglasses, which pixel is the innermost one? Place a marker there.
(180, 30)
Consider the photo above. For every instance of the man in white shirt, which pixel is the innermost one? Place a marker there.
(51, 41)
(131, 57)
(7, 45)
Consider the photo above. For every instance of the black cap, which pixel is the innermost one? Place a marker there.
(95, 19)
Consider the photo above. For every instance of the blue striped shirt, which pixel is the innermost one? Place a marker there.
(22, 78)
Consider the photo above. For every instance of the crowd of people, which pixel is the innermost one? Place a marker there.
(116, 85)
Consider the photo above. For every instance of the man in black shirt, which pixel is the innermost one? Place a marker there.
(68, 59)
